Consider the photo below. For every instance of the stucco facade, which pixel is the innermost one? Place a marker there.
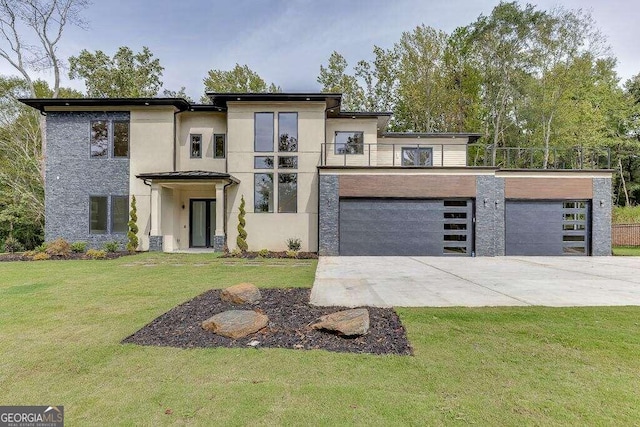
(188, 167)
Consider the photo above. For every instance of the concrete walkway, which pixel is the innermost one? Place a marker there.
(475, 282)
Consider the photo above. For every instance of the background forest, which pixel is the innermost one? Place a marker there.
(520, 76)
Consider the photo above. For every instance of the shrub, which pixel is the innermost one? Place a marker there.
(294, 243)
(292, 254)
(132, 234)
(58, 247)
(263, 253)
(112, 246)
(96, 254)
(236, 252)
(241, 241)
(79, 247)
(41, 256)
(42, 248)
(11, 244)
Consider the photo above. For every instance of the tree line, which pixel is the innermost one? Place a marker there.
(520, 76)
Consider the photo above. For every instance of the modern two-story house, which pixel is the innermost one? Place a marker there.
(306, 169)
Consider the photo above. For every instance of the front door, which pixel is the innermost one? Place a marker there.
(202, 222)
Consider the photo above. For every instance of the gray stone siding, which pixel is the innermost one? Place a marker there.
(490, 225)
(155, 243)
(218, 243)
(601, 217)
(72, 176)
(329, 216)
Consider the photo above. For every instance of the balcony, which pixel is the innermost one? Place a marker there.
(462, 155)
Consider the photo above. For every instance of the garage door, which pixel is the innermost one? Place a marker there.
(406, 227)
(547, 227)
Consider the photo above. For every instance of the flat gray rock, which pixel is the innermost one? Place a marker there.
(236, 323)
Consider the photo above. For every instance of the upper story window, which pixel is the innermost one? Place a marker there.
(218, 146)
(106, 134)
(287, 132)
(349, 143)
(196, 146)
(263, 162)
(263, 132)
(417, 156)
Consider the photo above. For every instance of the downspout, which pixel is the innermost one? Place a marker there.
(175, 139)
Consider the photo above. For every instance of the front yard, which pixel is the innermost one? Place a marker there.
(61, 324)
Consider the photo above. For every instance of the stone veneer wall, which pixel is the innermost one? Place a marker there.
(489, 227)
(601, 217)
(72, 176)
(329, 216)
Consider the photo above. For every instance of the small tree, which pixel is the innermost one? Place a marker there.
(132, 234)
(241, 241)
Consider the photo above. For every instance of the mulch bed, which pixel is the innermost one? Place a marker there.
(290, 316)
(73, 255)
(271, 254)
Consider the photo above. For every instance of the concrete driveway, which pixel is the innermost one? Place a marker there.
(476, 282)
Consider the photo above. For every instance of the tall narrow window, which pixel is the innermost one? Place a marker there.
(218, 146)
(287, 132)
(98, 215)
(349, 143)
(120, 139)
(196, 146)
(263, 132)
(263, 192)
(119, 214)
(288, 192)
(100, 139)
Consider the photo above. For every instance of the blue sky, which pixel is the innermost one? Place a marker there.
(286, 41)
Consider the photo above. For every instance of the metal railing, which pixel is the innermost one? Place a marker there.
(440, 155)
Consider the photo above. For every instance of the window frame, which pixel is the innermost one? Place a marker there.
(270, 206)
(417, 150)
(191, 156)
(106, 225)
(224, 145)
(113, 138)
(273, 163)
(112, 216)
(280, 134)
(295, 163)
(255, 132)
(335, 143)
(107, 152)
(295, 174)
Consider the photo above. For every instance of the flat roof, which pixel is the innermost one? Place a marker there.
(186, 175)
(41, 103)
(221, 98)
(472, 136)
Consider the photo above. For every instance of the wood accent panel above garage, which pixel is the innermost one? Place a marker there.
(548, 188)
(407, 186)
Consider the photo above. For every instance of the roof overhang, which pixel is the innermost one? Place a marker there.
(471, 137)
(43, 104)
(332, 100)
(187, 176)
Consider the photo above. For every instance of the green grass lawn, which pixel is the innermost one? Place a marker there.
(626, 250)
(61, 324)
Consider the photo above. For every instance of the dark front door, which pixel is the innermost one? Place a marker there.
(202, 222)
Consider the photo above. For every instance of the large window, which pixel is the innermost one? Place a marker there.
(422, 156)
(100, 139)
(119, 214)
(98, 214)
(349, 143)
(196, 146)
(263, 192)
(120, 139)
(263, 141)
(218, 146)
(288, 192)
(109, 137)
(287, 132)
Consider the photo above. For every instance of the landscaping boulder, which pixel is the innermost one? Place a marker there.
(235, 323)
(242, 293)
(347, 322)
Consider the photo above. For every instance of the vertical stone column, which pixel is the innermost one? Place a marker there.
(601, 217)
(219, 237)
(329, 210)
(490, 225)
